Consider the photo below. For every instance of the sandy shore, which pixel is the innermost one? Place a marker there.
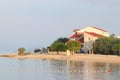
(77, 57)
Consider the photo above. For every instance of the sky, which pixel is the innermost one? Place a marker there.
(38, 23)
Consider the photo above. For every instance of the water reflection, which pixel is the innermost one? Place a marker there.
(57, 70)
(93, 70)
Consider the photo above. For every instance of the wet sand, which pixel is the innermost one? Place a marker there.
(76, 57)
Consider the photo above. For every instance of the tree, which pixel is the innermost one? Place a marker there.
(107, 46)
(73, 46)
(61, 40)
(58, 47)
(116, 49)
(112, 35)
(21, 51)
(116, 46)
(37, 50)
(101, 45)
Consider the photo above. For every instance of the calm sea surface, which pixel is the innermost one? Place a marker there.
(25, 69)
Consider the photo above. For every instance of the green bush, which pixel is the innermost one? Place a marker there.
(21, 51)
(73, 46)
(61, 40)
(58, 47)
(37, 50)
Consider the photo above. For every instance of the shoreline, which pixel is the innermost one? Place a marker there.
(75, 57)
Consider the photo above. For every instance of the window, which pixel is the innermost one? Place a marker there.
(89, 38)
(75, 32)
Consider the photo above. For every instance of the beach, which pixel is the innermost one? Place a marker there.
(76, 57)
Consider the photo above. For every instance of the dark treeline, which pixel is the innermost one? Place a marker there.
(107, 46)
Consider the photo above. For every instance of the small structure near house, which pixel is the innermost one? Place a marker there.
(44, 50)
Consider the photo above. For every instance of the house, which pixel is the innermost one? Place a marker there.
(87, 36)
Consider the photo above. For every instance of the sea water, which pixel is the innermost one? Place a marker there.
(28, 69)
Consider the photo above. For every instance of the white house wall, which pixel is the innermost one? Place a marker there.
(88, 42)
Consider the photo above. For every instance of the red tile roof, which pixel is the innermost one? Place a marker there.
(95, 34)
(98, 28)
(81, 40)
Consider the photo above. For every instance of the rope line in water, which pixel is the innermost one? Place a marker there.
(53, 71)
